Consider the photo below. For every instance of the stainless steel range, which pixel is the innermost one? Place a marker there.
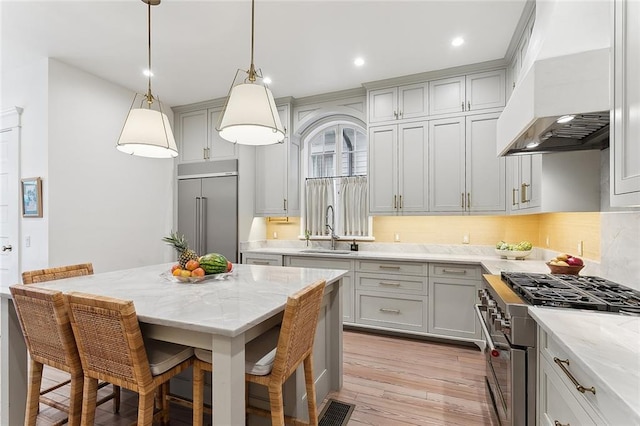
(510, 333)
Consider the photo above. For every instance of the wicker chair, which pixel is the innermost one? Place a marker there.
(273, 357)
(112, 348)
(42, 275)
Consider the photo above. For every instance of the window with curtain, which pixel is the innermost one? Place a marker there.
(336, 176)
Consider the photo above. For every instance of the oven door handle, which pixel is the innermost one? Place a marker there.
(492, 347)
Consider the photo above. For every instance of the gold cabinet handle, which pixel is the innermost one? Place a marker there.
(463, 106)
(389, 284)
(523, 193)
(462, 200)
(285, 204)
(395, 268)
(400, 197)
(578, 386)
(390, 311)
(468, 201)
(395, 114)
(400, 114)
(259, 262)
(468, 106)
(395, 201)
(513, 196)
(557, 423)
(454, 271)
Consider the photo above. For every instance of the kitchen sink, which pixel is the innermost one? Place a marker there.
(326, 251)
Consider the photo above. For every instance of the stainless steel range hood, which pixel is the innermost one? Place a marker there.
(574, 85)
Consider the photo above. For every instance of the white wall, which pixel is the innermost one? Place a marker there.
(104, 206)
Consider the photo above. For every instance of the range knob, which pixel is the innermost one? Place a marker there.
(505, 326)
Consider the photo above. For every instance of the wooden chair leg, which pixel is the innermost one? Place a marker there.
(276, 404)
(164, 392)
(145, 409)
(198, 394)
(33, 393)
(311, 390)
(89, 399)
(75, 399)
(116, 398)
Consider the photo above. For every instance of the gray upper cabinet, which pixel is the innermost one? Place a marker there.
(469, 93)
(198, 138)
(625, 149)
(398, 103)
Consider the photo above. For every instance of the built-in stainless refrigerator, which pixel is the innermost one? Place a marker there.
(208, 207)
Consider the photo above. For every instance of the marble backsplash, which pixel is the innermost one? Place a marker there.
(620, 247)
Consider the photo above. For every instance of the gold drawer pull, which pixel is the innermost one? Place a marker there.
(557, 423)
(260, 262)
(388, 284)
(390, 311)
(454, 271)
(395, 268)
(578, 386)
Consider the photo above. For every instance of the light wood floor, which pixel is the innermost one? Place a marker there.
(391, 380)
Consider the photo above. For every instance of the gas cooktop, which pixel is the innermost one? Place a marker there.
(573, 291)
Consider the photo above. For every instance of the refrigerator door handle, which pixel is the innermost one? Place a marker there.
(197, 233)
(203, 226)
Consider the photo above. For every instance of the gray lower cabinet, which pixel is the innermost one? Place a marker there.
(453, 291)
(330, 263)
(262, 259)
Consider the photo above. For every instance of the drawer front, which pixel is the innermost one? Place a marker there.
(391, 283)
(262, 259)
(556, 403)
(464, 272)
(321, 263)
(397, 312)
(391, 267)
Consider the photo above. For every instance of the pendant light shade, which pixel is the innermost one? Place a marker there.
(250, 116)
(147, 131)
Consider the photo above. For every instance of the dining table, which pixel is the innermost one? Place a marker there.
(221, 313)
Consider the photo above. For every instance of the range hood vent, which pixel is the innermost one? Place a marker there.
(573, 132)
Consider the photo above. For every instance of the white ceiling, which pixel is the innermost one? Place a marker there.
(306, 47)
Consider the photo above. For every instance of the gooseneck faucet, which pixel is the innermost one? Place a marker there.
(330, 228)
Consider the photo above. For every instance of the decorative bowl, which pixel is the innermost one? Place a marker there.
(194, 280)
(513, 254)
(564, 270)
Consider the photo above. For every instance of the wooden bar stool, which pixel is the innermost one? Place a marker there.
(42, 275)
(112, 348)
(273, 357)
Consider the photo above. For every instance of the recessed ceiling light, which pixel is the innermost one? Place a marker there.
(458, 41)
(267, 80)
(565, 119)
(532, 144)
(358, 62)
(147, 73)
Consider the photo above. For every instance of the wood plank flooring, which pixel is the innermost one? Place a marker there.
(391, 380)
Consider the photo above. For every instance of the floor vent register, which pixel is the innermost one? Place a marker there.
(335, 413)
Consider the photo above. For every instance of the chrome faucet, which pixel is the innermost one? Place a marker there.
(330, 230)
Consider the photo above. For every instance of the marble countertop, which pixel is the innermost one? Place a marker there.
(229, 306)
(607, 345)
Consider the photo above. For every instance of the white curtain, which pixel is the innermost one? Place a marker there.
(353, 201)
(319, 195)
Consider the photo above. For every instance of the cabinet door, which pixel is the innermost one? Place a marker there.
(451, 307)
(383, 105)
(383, 180)
(193, 136)
(513, 182)
(447, 96)
(292, 205)
(485, 173)
(447, 165)
(219, 148)
(220, 209)
(485, 90)
(271, 180)
(412, 101)
(413, 168)
(625, 153)
(529, 190)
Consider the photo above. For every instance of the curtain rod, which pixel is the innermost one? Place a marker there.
(334, 177)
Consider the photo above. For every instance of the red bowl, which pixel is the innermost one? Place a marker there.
(565, 270)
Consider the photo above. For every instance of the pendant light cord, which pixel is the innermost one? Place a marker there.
(149, 95)
(252, 68)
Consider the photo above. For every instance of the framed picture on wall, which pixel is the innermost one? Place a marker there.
(32, 197)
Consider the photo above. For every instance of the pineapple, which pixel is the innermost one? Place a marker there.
(182, 247)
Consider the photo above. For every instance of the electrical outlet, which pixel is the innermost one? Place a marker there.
(396, 237)
(580, 248)
(27, 241)
(275, 235)
(465, 239)
(547, 241)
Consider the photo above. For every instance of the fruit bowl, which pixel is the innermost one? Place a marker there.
(194, 280)
(513, 254)
(564, 270)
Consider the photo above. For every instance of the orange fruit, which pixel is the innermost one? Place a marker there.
(192, 264)
(176, 272)
(174, 267)
(198, 272)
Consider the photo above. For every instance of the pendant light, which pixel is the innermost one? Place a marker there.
(147, 131)
(250, 116)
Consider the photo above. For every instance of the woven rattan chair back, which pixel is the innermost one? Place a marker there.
(109, 340)
(42, 275)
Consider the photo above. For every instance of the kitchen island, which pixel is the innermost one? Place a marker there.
(219, 315)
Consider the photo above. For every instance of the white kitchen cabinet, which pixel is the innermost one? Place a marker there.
(398, 169)
(525, 180)
(278, 174)
(469, 93)
(453, 291)
(625, 149)
(262, 259)
(198, 139)
(398, 103)
(465, 175)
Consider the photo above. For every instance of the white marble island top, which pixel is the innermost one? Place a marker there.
(229, 306)
(607, 345)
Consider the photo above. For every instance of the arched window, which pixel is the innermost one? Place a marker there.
(337, 150)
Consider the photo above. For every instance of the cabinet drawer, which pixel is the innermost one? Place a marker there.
(556, 403)
(394, 284)
(384, 310)
(314, 262)
(262, 259)
(463, 272)
(391, 267)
